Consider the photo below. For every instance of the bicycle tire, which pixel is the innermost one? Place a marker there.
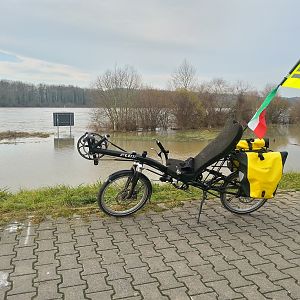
(232, 184)
(113, 194)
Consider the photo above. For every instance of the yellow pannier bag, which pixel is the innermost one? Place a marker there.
(249, 145)
(252, 144)
(260, 173)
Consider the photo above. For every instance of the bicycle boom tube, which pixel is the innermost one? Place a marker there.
(132, 157)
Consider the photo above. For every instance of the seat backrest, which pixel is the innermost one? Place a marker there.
(221, 146)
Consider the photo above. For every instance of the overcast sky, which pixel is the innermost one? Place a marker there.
(72, 41)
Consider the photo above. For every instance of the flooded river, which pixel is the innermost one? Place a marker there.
(38, 162)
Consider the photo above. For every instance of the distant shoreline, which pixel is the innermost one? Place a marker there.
(8, 135)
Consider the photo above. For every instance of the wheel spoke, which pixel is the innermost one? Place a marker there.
(115, 198)
(232, 200)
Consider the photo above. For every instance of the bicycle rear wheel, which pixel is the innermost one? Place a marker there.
(231, 199)
(124, 193)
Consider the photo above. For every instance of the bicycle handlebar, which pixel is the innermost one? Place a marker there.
(162, 149)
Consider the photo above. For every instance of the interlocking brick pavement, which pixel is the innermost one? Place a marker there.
(153, 255)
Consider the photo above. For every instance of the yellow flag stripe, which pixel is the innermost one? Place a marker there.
(292, 83)
(293, 80)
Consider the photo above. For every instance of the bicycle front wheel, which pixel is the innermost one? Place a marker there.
(231, 199)
(124, 193)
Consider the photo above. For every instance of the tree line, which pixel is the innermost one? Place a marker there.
(20, 94)
(124, 103)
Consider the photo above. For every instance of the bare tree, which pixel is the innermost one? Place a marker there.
(295, 113)
(242, 109)
(185, 106)
(115, 94)
(221, 90)
(278, 110)
(216, 100)
(184, 77)
(152, 109)
(187, 109)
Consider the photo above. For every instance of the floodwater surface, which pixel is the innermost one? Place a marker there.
(41, 162)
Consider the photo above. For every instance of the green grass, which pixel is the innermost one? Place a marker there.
(21, 134)
(66, 201)
(290, 181)
(167, 193)
(54, 201)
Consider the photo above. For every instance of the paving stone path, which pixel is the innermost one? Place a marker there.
(157, 255)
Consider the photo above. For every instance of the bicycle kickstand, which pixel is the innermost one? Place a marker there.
(204, 197)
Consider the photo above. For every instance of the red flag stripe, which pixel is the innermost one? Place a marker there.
(261, 127)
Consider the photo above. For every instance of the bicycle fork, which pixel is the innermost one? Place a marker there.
(132, 182)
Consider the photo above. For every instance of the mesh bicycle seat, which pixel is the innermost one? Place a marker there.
(221, 146)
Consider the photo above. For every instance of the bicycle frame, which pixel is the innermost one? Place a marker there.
(205, 171)
(207, 184)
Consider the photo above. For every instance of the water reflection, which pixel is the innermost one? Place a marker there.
(284, 136)
(64, 143)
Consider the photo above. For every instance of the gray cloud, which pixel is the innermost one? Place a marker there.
(251, 40)
(27, 69)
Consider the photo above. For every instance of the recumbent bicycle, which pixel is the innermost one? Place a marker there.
(215, 170)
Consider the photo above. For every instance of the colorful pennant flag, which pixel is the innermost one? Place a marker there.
(258, 122)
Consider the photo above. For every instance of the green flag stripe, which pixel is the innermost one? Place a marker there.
(266, 102)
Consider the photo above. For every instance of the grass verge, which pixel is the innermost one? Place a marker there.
(7, 135)
(65, 201)
(290, 181)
